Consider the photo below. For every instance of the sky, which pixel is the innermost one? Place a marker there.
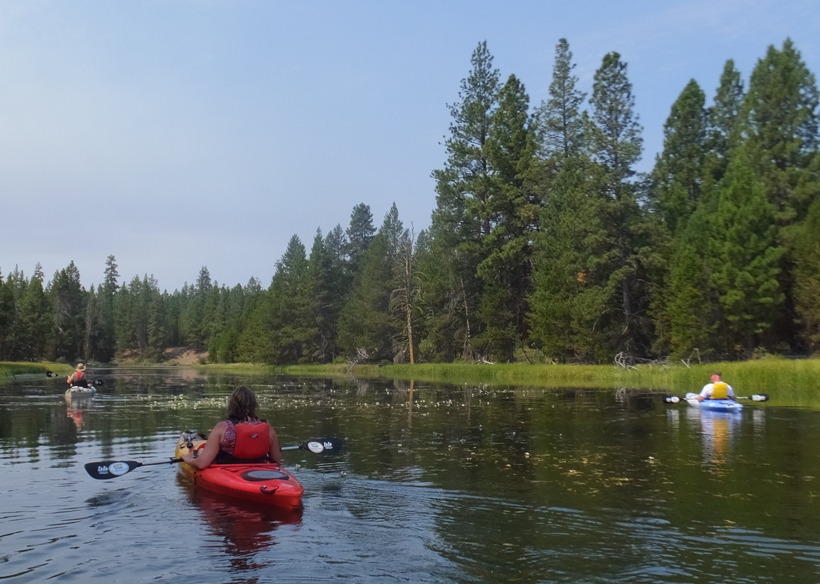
(181, 134)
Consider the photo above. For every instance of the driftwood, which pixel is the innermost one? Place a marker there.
(694, 353)
(362, 356)
(629, 362)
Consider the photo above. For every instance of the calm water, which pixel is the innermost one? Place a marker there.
(435, 484)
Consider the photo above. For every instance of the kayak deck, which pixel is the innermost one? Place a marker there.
(265, 483)
(714, 405)
(76, 390)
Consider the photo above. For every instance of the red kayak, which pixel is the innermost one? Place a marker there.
(265, 483)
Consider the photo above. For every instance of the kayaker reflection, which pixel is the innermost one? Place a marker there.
(75, 413)
(78, 378)
(717, 389)
(242, 437)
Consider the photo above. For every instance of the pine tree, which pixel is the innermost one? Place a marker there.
(366, 321)
(573, 253)
(780, 123)
(157, 338)
(359, 234)
(677, 176)
(255, 341)
(8, 318)
(723, 131)
(68, 297)
(560, 121)
(692, 305)
(807, 276)
(445, 300)
(36, 316)
(464, 184)
(615, 144)
(91, 338)
(124, 318)
(320, 350)
(336, 281)
(745, 259)
(193, 321)
(512, 211)
(291, 322)
(460, 220)
(107, 343)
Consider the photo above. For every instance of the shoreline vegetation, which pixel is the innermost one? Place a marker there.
(792, 383)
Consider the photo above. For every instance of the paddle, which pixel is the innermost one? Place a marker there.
(319, 446)
(52, 374)
(111, 469)
(758, 397)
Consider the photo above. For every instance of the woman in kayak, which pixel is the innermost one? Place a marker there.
(243, 437)
(717, 389)
(78, 378)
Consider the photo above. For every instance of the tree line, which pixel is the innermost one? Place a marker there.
(545, 243)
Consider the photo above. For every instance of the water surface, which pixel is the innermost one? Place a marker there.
(435, 484)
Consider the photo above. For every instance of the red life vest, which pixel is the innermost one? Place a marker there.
(78, 379)
(252, 440)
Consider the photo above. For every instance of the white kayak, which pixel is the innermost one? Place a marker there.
(76, 390)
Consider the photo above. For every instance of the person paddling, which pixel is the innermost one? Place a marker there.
(78, 378)
(242, 437)
(717, 389)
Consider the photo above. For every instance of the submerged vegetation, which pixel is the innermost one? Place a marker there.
(545, 246)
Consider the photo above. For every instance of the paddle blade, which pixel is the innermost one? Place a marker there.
(324, 446)
(319, 446)
(761, 397)
(110, 469)
(51, 374)
(98, 382)
(671, 399)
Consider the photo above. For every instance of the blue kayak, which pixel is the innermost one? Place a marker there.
(713, 405)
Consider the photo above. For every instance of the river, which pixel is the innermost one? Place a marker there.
(435, 483)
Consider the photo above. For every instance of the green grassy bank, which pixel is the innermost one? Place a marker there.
(10, 370)
(792, 382)
(748, 376)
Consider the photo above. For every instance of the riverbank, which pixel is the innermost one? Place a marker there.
(792, 382)
(15, 369)
(763, 376)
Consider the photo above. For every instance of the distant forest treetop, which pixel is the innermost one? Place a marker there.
(545, 244)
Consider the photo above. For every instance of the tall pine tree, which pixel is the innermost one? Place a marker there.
(615, 144)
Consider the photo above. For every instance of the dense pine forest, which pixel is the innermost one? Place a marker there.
(545, 244)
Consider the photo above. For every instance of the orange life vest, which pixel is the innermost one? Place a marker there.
(252, 440)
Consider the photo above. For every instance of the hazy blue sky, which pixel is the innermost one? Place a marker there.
(177, 134)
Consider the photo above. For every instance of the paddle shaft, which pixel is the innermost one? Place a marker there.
(172, 461)
(758, 397)
(111, 469)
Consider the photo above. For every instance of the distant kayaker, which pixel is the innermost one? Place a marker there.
(243, 437)
(78, 378)
(717, 389)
